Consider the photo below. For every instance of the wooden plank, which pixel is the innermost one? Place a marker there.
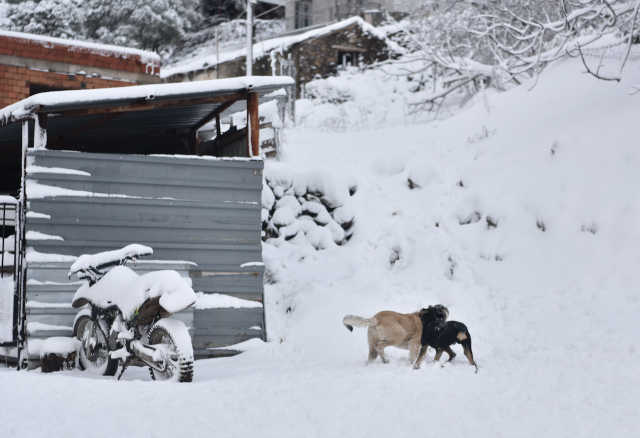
(254, 125)
(214, 114)
(349, 48)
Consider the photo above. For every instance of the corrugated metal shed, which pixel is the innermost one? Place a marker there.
(200, 210)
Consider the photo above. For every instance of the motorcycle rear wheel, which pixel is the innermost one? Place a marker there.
(99, 362)
(175, 337)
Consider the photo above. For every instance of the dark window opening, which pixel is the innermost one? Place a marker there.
(345, 59)
(37, 88)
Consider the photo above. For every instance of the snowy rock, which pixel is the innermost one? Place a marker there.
(284, 216)
(337, 233)
(331, 189)
(278, 191)
(344, 215)
(290, 231)
(279, 175)
(59, 354)
(290, 201)
(59, 345)
(320, 238)
(268, 198)
(264, 215)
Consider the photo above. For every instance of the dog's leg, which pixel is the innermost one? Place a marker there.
(414, 352)
(438, 355)
(373, 355)
(380, 348)
(466, 346)
(423, 351)
(450, 352)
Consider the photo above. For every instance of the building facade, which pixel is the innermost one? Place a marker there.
(302, 14)
(32, 64)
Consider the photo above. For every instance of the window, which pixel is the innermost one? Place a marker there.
(303, 14)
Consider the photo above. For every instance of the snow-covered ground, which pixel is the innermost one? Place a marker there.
(525, 224)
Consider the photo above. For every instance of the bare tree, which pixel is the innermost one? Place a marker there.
(465, 46)
(527, 36)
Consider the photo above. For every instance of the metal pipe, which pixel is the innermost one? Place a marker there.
(249, 63)
(4, 215)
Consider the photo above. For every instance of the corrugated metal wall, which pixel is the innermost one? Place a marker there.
(204, 211)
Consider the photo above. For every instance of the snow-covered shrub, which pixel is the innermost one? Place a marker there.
(311, 206)
(148, 24)
(56, 18)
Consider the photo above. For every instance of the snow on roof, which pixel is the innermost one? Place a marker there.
(98, 49)
(262, 48)
(113, 96)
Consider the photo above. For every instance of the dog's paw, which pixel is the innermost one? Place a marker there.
(416, 367)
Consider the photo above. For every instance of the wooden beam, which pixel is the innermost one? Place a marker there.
(84, 128)
(213, 114)
(193, 137)
(253, 125)
(218, 125)
(148, 105)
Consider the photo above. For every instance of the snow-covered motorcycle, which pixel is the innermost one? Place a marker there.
(127, 319)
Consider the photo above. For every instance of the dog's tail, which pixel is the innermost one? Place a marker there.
(351, 321)
(466, 346)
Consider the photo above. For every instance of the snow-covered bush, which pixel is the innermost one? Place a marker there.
(147, 24)
(306, 207)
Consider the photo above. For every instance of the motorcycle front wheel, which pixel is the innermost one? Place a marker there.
(176, 344)
(99, 362)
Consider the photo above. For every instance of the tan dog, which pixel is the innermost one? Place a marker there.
(391, 329)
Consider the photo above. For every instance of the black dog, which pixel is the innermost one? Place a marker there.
(440, 334)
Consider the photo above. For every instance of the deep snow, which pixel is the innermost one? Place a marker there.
(550, 294)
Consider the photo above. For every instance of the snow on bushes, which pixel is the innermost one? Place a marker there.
(311, 206)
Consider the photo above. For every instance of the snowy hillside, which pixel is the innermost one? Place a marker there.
(523, 220)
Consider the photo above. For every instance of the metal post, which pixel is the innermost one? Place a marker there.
(4, 216)
(217, 56)
(249, 63)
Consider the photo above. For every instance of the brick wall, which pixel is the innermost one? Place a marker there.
(90, 55)
(61, 56)
(15, 82)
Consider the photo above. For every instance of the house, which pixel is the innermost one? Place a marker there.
(303, 14)
(100, 169)
(315, 53)
(31, 64)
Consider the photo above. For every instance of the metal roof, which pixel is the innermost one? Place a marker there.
(68, 111)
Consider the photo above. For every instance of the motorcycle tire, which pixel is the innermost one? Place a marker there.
(100, 362)
(175, 335)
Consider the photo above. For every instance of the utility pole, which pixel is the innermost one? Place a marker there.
(249, 65)
(217, 56)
